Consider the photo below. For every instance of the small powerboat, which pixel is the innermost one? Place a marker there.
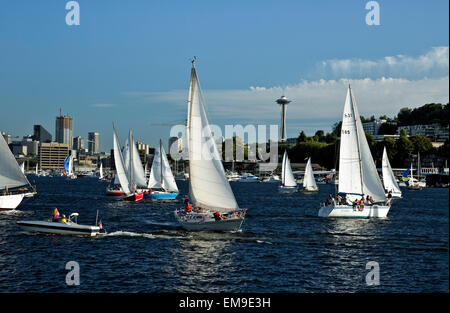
(71, 227)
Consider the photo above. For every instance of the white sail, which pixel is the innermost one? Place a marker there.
(155, 180)
(70, 166)
(208, 185)
(168, 182)
(121, 172)
(11, 175)
(138, 174)
(287, 177)
(309, 183)
(126, 154)
(358, 175)
(101, 171)
(389, 181)
(22, 167)
(36, 170)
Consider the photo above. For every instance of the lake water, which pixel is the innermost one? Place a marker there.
(283, 245)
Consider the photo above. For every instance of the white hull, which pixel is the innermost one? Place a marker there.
(374, 211)
(285, 189)
(59, 228)
(395, 195)
(199, 222)
(10, 202)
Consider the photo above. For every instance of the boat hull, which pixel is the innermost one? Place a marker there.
(347, 211)
(161, 195)
(117, 193)
(284, 189)
(309, 191)
(10, 202)
(135, 197)
(59, 228)
(206, 222)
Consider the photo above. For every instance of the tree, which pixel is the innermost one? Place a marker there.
(387, 129)
(404, 147)
(302, 137)
(422, 144)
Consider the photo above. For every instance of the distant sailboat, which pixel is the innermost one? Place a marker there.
(358, 176)
(288, 182)
(14, 185)
(309, 183)
(22, 167)
(215, 207)
(389, 181)
(68, 167)
(161, 182)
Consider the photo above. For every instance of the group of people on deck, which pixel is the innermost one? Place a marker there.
(56, 217)
(357, 203)
(188, 209)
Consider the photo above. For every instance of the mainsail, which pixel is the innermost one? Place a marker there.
(121, 172)
(309, 183)
(389, 181)
(161, 175)
(358, 175)
(208, 185)
(287, 177)
(138, 174)
(10, 174)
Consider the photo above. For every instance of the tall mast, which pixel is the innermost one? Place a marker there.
(160, 162)
(357, 140)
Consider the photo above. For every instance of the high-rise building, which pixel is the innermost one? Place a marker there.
(78, 143)
(93, 143)
(52, 155)
(41, 134)
(64, 129)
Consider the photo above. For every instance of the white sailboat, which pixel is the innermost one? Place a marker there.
(100, 175)
(14, 185)
(288, 182)
(389, 180)
(309, 183)
(358, 176)
(124, 176)
(161, 183)
(215, 207)
(22, 167)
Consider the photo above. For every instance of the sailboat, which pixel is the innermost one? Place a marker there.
(14, 185)
(288, 182)
(389, 181)
(161, 183)
(125, 176)
(358, 176)
(413, 183)
(22, 167)
(309, 183)
(215, 207)
(68, 167)
(133, 164)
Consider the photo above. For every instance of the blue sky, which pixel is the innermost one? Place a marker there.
(128, 62)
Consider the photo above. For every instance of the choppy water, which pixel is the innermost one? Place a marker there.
(283, 246)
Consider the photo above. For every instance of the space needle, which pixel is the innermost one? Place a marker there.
(283, 102)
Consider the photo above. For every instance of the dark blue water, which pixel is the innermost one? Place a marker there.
(283, 246)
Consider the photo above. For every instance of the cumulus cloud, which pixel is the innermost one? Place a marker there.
(434, 63)
(320, 102)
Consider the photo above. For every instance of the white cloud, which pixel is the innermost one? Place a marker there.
(434, 63)
(321, 101)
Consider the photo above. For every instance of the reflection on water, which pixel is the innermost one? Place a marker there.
(202, 262)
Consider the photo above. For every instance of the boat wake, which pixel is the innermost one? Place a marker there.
(144, 235)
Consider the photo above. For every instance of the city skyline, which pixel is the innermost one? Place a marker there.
(129, 65)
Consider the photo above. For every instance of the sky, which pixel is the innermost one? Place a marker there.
(128, 62)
